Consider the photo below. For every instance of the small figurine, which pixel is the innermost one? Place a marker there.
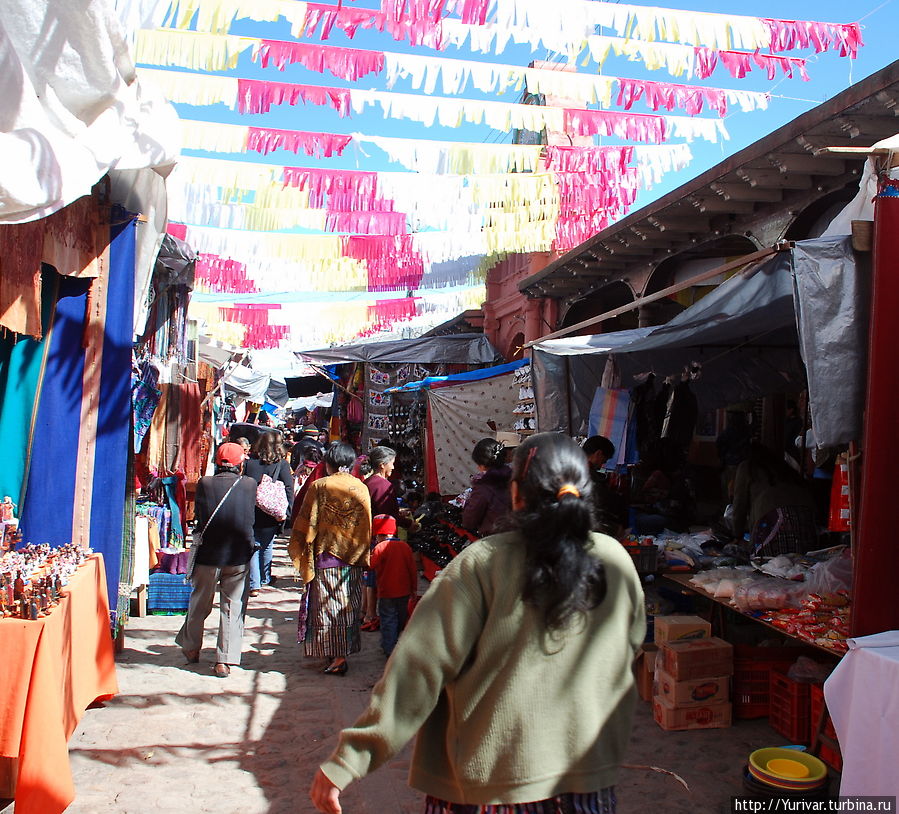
(7, 509)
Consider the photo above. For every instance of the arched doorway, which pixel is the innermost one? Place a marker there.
(598, 302)
(682, 267)
(515, 350)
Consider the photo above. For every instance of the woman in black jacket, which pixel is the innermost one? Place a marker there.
(222, 559)
(489, 501)
(266, 458)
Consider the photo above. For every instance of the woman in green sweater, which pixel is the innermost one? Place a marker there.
(515, 669)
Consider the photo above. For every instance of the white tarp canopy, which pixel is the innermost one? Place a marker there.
(71, 108)
(218, 354)
(253, 385)
(324, 400)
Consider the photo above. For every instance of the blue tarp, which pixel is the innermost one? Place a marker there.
(458, 378)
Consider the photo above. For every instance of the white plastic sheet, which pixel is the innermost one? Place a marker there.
(71, 106)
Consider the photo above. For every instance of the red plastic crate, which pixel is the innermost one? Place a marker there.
(788, 706)
(832, 757)
(752, 677)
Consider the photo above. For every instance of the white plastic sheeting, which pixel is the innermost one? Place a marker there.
(70, 106)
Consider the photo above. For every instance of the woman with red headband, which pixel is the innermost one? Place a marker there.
(548, 611)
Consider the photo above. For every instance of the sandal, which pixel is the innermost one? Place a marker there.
(336, 669)
(222, 670)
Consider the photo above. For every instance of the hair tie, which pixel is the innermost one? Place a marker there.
(568, 489)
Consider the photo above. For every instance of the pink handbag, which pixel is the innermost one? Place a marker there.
(271, 497)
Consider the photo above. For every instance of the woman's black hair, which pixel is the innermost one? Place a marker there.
(553, 480)
(339, 455)
(380, 455)
(489, 452)
(307, 450)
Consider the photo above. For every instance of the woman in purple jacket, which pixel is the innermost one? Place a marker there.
(383, 501)
(489, 500)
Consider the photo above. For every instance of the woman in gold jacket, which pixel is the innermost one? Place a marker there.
(329, 548)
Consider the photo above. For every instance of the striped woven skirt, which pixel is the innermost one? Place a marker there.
(594, 802)
(331, 612)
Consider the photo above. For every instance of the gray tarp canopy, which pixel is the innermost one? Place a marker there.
(798, 319)
(465, 349)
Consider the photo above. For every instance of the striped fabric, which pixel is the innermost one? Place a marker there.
(594, 802)
(609, 416)
(331, 612)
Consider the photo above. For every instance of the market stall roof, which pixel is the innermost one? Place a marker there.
(459, 378)
(465, 349)
(782, 171)
(216, 353)
(742, 341)
(256, 386)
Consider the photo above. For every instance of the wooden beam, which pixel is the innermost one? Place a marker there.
(809, 164)
(666, 292)
(774, 179)
(718, 205)
(745, 192)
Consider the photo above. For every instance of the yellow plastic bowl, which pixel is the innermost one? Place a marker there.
(761, 759)
(788, 767)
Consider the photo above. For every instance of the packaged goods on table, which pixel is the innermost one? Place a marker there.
(823, 621)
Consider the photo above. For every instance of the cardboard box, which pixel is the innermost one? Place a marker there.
(710, 716)
(696, 658)
(678, 628)
(645, 669)
(695, 692)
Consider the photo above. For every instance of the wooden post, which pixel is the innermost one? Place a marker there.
(876, 555)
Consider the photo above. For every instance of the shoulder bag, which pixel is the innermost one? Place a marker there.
(198, 534)
(271, 497)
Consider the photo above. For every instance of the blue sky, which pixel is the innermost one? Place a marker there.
(829, 73)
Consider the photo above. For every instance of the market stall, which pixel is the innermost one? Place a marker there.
(459, 410)
(54, 667)
(367, 371)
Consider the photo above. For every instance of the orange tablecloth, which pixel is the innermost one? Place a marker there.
(53, 669)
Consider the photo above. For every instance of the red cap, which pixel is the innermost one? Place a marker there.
(383, 524)
(229, 455)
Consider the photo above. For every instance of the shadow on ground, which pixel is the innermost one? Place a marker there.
(178, 739)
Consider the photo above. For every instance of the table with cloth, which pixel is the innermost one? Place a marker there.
(863, 703)
(53, 669)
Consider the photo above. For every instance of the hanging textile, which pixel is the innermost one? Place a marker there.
(145, 395)
(21, 364)
(21, 246)
(609, 416)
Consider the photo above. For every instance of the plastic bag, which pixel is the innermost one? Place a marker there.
(765, 593)
(808, 671)
(830, 576)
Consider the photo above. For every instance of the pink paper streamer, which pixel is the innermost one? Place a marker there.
(266, 140)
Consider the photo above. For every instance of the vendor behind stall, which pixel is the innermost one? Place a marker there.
(610, 511)
(773, 503)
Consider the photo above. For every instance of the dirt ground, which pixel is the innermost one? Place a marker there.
(178, 739)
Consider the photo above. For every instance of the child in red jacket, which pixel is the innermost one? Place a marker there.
(396, 578)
